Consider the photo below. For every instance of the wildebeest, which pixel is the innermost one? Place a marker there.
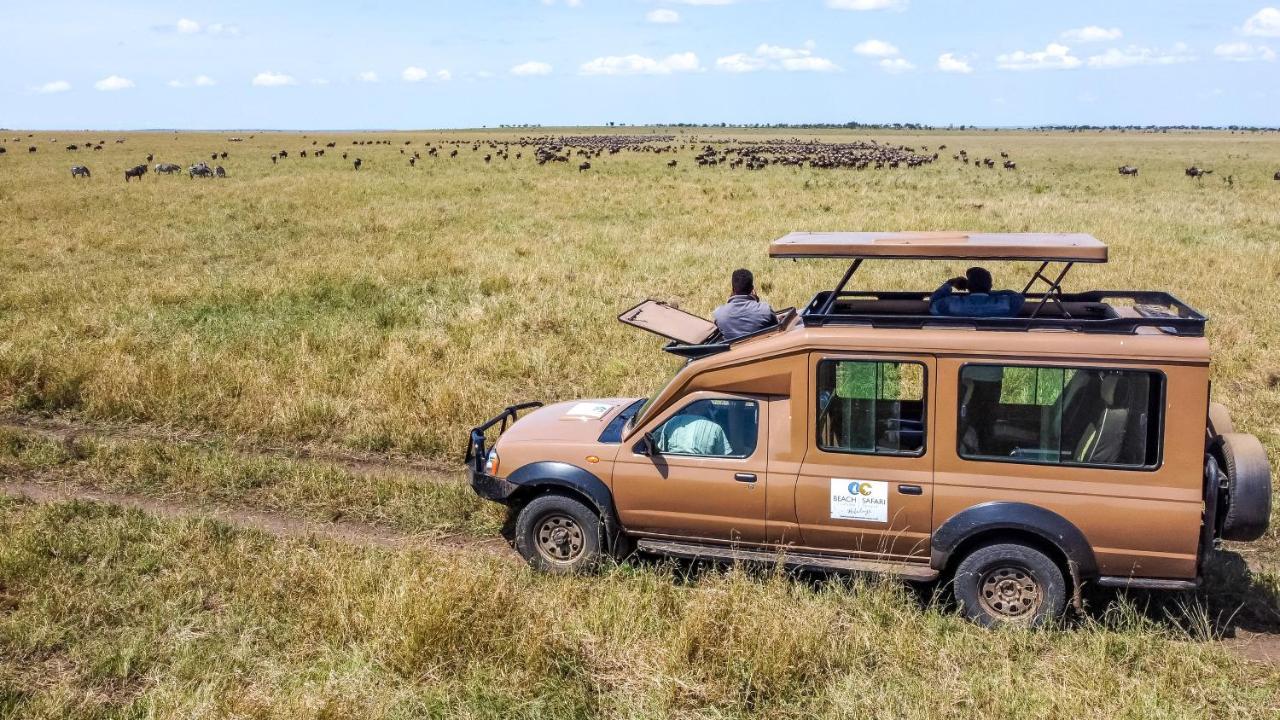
(200, 169)
(358, 162)
(80, 171)
(1273, 177)
(168, 168)
(584, 167)
(223, 155)
(412, 161)
(219, 172)
(1129, 170)
(283, 153)
(672, 163)
(1197, 173)
(1010, 165)
(3, 150)
(137, 171)
(274, 158)
(73, 147)
(150, 157)
(31, 149)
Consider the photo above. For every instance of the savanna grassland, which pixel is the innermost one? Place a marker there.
(311, 340)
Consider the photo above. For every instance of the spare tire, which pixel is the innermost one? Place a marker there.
(1220, 420)
(1248, 503)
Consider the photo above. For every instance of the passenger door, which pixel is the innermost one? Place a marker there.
(708, 479)
(866, 483)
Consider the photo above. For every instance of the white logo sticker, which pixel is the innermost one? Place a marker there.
(589, 410)
(859, 500)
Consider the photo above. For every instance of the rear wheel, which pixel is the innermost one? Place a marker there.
(1010, 585)
(559, 534)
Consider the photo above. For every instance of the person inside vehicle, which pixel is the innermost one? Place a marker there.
(694, 432)
(977, 300)
(744, 313)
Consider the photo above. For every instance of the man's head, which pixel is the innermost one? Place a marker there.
(744, 283)
(979, 280)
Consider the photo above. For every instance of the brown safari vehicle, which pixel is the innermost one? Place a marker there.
(1018, 457)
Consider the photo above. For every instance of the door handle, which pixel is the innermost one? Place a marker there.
(910, 490)
(745, 477)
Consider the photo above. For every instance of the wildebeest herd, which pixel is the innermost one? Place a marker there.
(553, 149)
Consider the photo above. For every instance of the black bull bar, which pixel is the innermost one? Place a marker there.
(476, 442)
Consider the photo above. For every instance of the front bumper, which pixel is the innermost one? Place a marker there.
(490, 487)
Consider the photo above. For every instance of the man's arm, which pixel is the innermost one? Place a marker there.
(943, 291)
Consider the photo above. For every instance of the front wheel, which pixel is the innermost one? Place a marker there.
(559, 535)
(1010, 585)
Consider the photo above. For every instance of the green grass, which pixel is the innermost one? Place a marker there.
(110, 613)
(214, 475)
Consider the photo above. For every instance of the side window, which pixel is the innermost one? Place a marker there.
(711, 428)
(1060, 416)
(871, 407)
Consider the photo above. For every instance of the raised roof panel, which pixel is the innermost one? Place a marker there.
(1054, 247)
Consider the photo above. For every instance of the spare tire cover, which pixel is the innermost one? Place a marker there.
(1220, 420)
(1248, 506)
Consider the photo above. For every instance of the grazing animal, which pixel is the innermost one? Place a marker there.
(284, 153)
(3, 150)
(672, 163)
(412, 161)
(344, 156)
(219, 172)
(168, 168)
(137, 171)
(73, 147)
(79, 171)
(303, 153)
(358, 163)
(223, 154)
(1275, 177)
(487, 158)
(1197, 173)
(150, 157)
(274, 158)
(199, 170)
(1010, 165)
(1129, 170)
(1004, 154)
(31, 149)
(584, 167)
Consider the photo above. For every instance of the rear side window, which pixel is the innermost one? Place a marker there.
(1060, 416)
(871, 407)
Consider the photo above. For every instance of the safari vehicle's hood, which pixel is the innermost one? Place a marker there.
(576, 421)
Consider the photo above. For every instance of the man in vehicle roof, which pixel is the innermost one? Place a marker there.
(979, 301)
(744, 313)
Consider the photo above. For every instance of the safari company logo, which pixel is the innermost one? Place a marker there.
(866, 500)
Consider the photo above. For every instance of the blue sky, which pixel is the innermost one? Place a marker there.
(400, 64)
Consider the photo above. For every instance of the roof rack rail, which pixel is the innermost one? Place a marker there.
(1146, 309)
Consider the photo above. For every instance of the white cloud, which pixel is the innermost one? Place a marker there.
(444, 75)
(1135, 55)
(368, 76)
(951, 64)
(741, 63)
(187, 26)
(867, 4)
(414, 74)
(197, 81)
(56, 86)
(113, 82)
(776, 57)
(533, 67)
(1264, 23)
(570, 3)
(641, 65)
(896, 65)
(273, 79)
(875, 48)
(1244, 52)
(662, 16)
(1053, 57)
(1092, 33)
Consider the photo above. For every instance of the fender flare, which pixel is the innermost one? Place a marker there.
(551, 474)
(1019, 517)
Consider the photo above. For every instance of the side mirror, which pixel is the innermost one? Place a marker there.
(648, 445)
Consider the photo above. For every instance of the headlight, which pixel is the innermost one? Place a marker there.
(491, 463)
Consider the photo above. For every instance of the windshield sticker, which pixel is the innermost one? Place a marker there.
(866, 500)
(589, 411)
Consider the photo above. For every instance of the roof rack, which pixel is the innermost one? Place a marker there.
(1096, 312)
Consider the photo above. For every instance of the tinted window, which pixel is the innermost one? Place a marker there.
(867, 406)
(711, 428)
(1075, 416)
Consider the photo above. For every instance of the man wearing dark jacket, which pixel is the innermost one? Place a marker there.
(744, 313)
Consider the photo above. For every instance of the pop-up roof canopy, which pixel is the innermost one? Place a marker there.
(1040, 247)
